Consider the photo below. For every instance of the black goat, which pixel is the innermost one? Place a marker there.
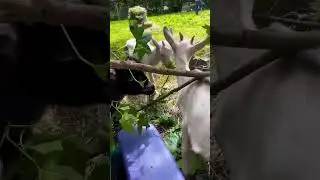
(45, 70)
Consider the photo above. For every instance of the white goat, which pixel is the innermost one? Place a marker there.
(162, 52)
(267, 123)
(193, 103)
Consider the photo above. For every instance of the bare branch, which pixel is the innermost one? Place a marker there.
(243, 71)
(54, 13)
(167, 79)
(171, 92)
(308, 24)
(147, 68)
(264, 39)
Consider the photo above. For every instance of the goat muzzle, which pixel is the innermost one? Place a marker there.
(149, 89)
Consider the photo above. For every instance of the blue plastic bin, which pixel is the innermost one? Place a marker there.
(146, 157)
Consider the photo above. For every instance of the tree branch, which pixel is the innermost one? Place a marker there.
(308, 24)
(54, 13)
(264, 39)
(147, 68)
(170, 93)
(243, 71)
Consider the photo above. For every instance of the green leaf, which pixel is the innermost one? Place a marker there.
(48, 147)
(142, 39)
(207, 27)
(129, 117)
(77, 143)
(76, 153)
(60, 173)
(124, 108)
(142, 121)
(127, 126)
(99, 168)
(137, 32)
(127, 121)
(43, 138)
(172, 140)
(195, 164)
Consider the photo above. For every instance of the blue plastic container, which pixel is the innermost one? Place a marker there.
(146, 157)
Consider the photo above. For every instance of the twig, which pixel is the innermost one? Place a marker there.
(169, 93)
(55, 13)
(147, 68)
(74, 47)
(167, 79)
(21, 150)
(114, 54)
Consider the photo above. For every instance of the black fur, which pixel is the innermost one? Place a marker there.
(47, 71)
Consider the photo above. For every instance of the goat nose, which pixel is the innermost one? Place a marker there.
(150, 89)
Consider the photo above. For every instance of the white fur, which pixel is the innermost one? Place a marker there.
(268, 123)
(160, 52)
(194, 105)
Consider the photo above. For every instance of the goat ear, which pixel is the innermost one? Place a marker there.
(155, 42)
(181, 36)
(192, 39)
(168, 36)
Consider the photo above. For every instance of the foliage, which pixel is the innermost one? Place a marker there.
(137, 26)
(138, 13)
(130, 116)
(56, 157)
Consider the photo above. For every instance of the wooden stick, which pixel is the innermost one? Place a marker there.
(147, 68)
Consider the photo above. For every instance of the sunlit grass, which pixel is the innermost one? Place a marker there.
(188, 23)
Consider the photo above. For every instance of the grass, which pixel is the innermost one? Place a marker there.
(188, 23)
